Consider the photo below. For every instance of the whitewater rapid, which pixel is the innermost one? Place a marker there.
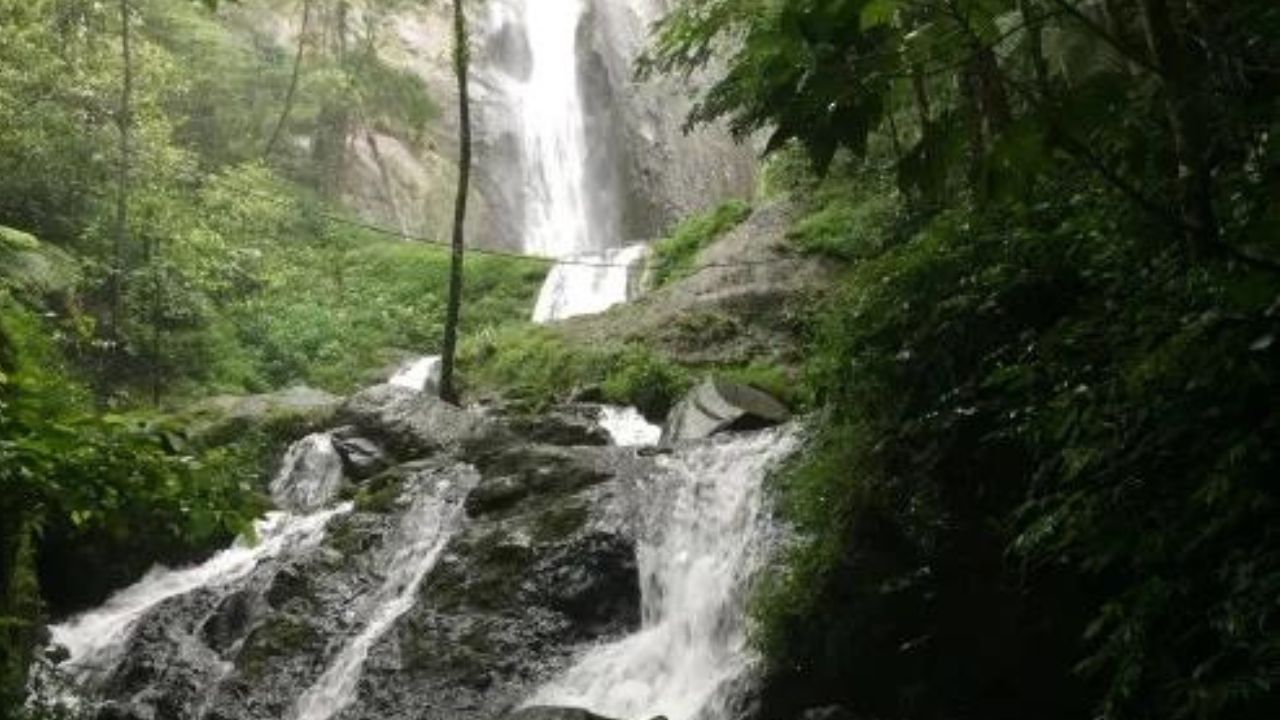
(707, 535)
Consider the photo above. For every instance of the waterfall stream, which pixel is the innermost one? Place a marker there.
(707, 534)
(567, 214)
(423, 534)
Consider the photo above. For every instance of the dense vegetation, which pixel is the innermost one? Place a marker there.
(173, 226)
(1043, 482)
(1040, 477)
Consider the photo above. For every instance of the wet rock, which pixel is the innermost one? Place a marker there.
(361, 458)
(572, 425)
(122, 711)
(229, 622)
(289, 584)
(412, 424)
(718, 405)
(594, 581)
(521, 471)
(552, 713)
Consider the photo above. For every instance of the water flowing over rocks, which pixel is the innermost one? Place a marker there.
(487, 565)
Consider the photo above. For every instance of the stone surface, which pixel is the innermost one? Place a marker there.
(361, 458)
(410, 424)
(518, 591)
(570, 425)
(743, 306)
(552, 713)
(718, 405)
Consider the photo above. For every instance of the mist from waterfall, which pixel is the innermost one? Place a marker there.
(707, 534)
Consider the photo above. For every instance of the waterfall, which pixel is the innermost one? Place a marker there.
(707, 535)
(422, 375)
(97, 639)
(423, 534)
(568, 213)
(310, 474)
(628, 428)
(589, 284)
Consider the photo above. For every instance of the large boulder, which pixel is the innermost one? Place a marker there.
(718, 405)
(412, 424)
(288, 413)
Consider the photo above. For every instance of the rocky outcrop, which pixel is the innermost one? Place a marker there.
(718, 405)
(543, 563)
(743, 304)
(412, 424)
(288, 413)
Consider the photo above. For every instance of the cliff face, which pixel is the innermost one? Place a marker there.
(644, 172)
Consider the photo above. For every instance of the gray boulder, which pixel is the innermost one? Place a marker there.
(362, 458)
(718, 405)
(411, 424)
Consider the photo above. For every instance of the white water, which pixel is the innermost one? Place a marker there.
(553, 140)
(707, 540)
(96, 639)
(422, 375)
(550, 124)
(423, 535)
(628, 428)
(310, 475)
(589, 284)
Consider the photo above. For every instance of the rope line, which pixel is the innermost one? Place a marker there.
(578, 261)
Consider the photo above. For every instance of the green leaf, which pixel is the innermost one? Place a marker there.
(877, 13)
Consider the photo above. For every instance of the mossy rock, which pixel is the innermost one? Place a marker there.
(381, 494)
(278, 636)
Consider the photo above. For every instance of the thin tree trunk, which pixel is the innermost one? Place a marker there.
(922, 96)
(1187, 123)
(461, 60)
(293, 81)
(1031, 18)
(124, 122)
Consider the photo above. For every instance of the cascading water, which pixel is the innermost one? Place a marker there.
(422, 536)
(628, 428)
(705, 540)
(422, 375)
(96, 640)
(309, 476)
(565, 218)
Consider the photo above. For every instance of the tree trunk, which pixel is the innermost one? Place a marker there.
(922, 96)
(1031, 18)
(461, 60)
(124, 122)
(1188, 125)
(293, 81)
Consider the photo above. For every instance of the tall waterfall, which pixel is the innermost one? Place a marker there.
(707, 535)
(565, 214)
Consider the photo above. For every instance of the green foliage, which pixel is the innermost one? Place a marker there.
(850, 220)
(1037, 412)
(108, 487)
(673, 258)
(537, 367)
